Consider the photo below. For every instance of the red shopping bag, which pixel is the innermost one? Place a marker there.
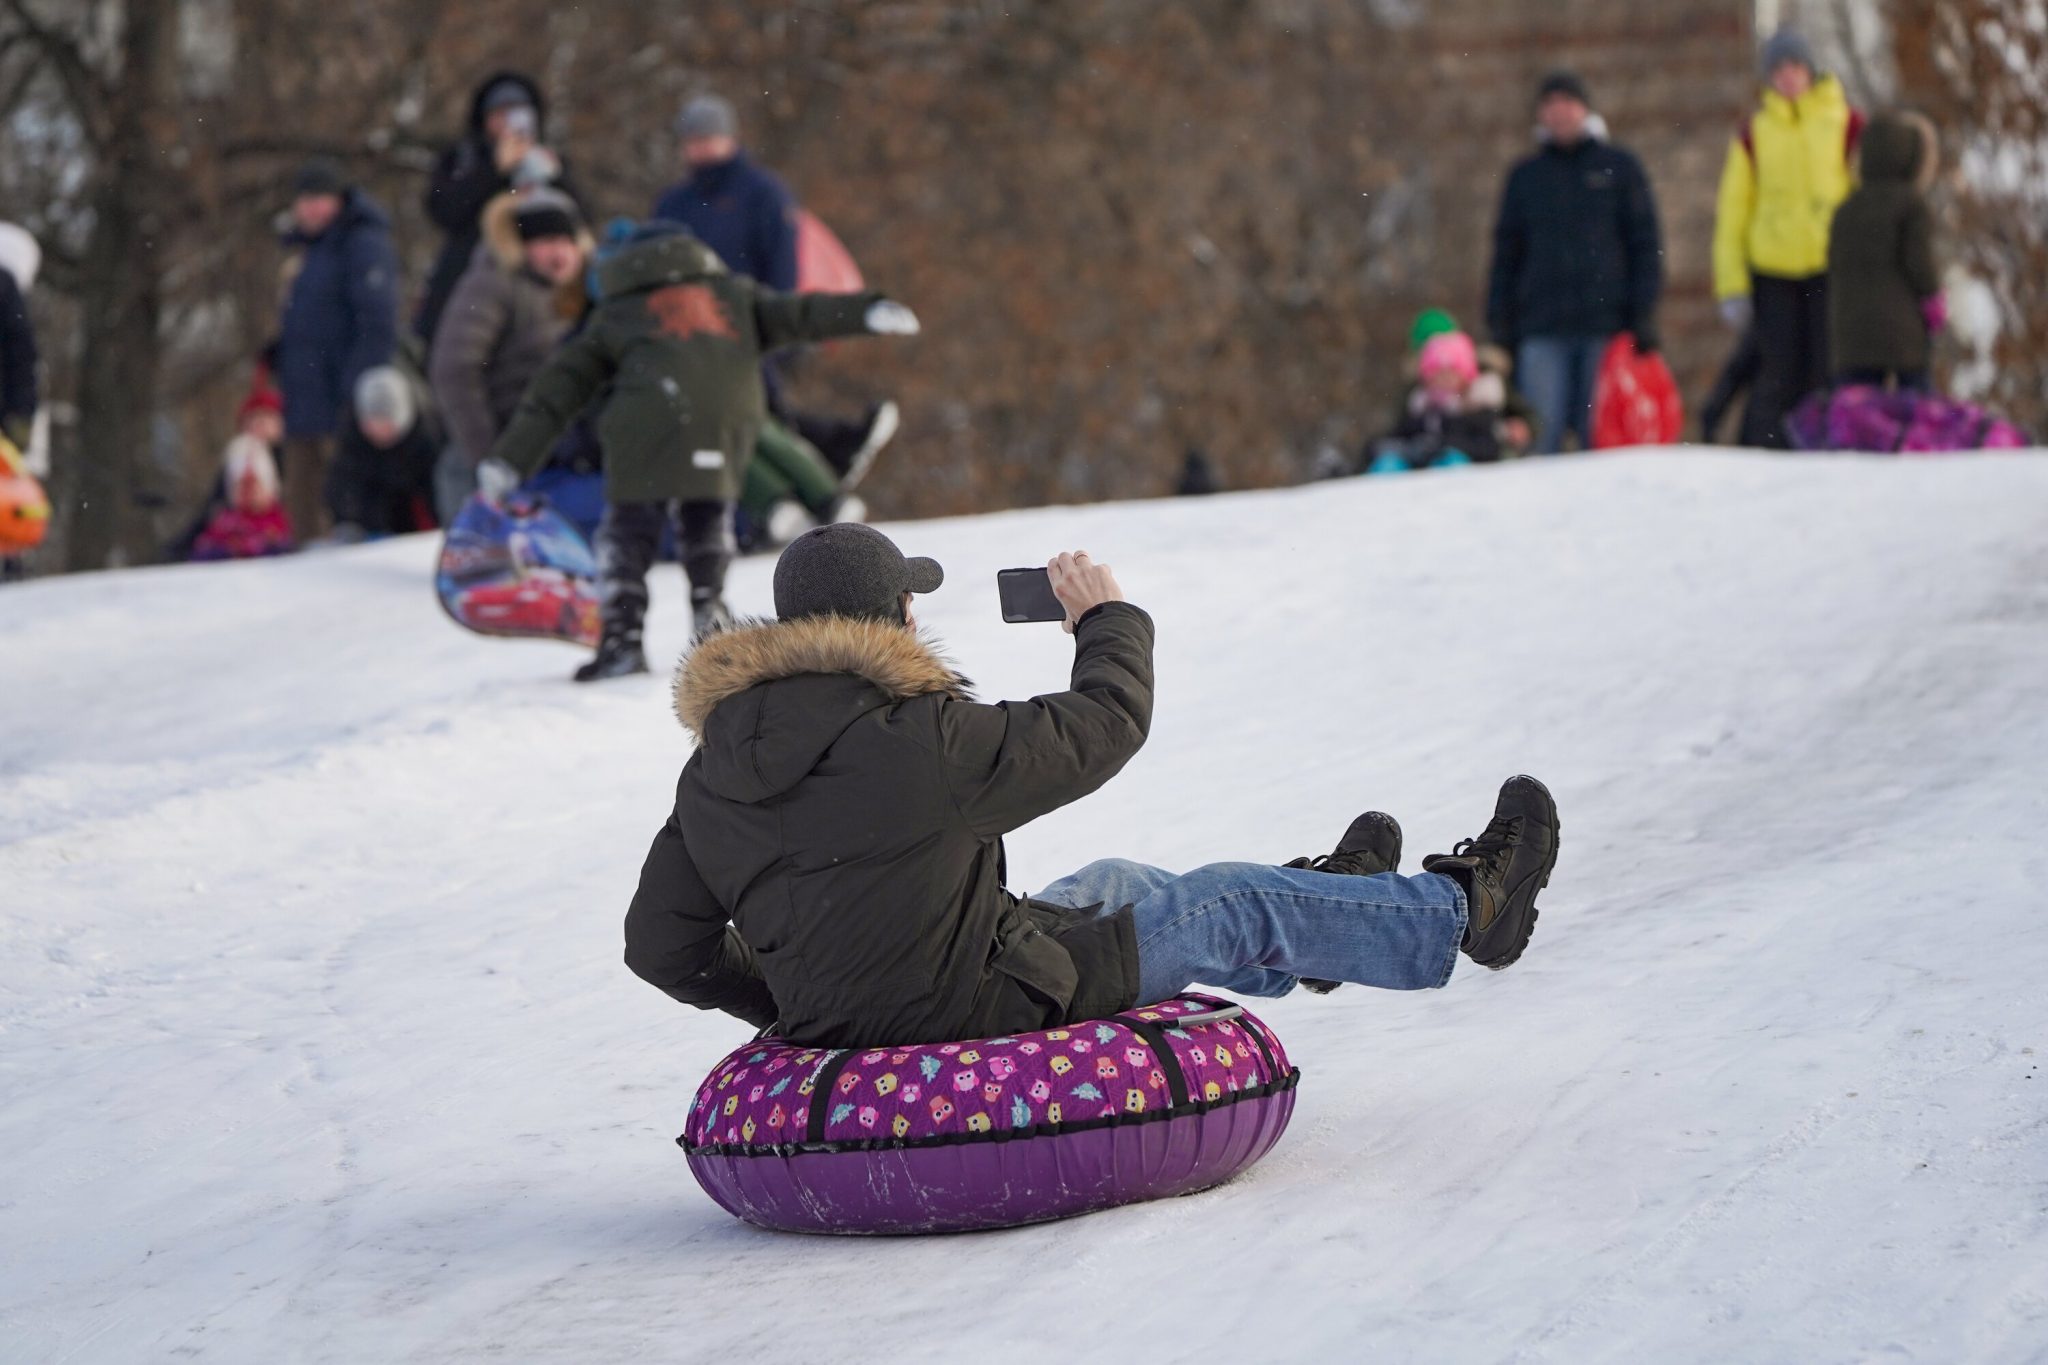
(1635, 399)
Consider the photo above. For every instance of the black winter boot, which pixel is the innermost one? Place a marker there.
(709, 615)
(1371, 846)
(1502, 870)
(617, 656)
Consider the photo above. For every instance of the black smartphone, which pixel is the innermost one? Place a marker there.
(1027, 596)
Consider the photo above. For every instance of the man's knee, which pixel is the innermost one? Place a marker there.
(1105, 871)
(1220, 878)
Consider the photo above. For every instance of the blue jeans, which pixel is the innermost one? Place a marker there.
(1556, 375)
(1256, 930)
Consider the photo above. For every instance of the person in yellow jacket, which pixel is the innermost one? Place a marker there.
(1788, 169)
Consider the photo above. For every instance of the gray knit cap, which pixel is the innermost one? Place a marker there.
(707, 116)
(1787, 45)
(382, 394)
(847, 569)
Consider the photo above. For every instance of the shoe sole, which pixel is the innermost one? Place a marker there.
(1543, 875)
(607, 677)
(888, 418)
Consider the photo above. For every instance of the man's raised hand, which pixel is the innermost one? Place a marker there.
(1081, 585)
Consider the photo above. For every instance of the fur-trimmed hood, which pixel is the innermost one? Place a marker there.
(1902, 147)
(757, 743)
(498, 239)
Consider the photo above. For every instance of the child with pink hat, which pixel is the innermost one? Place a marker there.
(1453, 414)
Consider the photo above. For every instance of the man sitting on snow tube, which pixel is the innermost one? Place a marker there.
(834, 864)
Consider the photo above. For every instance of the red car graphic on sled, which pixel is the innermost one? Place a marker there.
(543, 603)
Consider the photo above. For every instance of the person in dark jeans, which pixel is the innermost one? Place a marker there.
(1576, 259)
(833, 864)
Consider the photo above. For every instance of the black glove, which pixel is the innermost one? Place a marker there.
(1647, 340)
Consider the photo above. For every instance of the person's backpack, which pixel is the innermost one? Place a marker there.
(1635, 399)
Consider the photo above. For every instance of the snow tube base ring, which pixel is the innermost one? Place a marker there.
(1102, 1113)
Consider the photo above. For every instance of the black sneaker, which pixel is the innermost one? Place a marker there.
(616, 658)
(1371, 846)
(1502, 870)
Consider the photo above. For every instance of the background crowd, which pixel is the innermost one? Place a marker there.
(379, 398)
(363, 421)
(1824, 269)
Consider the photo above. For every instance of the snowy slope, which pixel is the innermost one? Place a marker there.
(315, 1045)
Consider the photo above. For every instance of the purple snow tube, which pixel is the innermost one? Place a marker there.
(948, 1137)
(1866, 418)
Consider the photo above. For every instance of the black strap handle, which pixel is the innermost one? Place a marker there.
(824, 1081)
(1155, 1038)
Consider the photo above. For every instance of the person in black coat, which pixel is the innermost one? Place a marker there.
(383, 478)
(500, 150)
(17, 363)
(1576, 258)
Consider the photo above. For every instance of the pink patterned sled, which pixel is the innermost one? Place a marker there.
(1162, 1100)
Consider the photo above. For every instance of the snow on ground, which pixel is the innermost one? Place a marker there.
(315, 1045)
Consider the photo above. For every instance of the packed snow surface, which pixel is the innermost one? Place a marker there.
(316, 1046)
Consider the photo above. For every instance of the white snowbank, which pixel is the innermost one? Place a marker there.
(315, 1045)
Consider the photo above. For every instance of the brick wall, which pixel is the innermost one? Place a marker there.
(1209, 223)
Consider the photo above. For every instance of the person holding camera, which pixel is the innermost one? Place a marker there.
(834, 868)
(502, 150)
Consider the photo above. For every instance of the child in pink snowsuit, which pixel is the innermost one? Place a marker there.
(253, 523)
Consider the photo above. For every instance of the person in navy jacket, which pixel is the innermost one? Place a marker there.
(340, 319)
(739, 209)
(744, 212)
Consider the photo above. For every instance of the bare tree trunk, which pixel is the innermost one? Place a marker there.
(122, 302)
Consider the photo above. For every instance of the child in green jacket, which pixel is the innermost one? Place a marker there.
(680, 340)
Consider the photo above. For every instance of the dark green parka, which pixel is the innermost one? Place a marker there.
(1881, 252)
(681, 340)
(835, 859)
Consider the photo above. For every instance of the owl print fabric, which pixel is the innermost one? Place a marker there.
(1142, 1065)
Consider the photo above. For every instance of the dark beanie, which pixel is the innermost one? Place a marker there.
(1564, 83)
(545, 213)
(848, 569)
(321, 175)
(507, 92)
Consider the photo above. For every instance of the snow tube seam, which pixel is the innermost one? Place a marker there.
(1040, 1130)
